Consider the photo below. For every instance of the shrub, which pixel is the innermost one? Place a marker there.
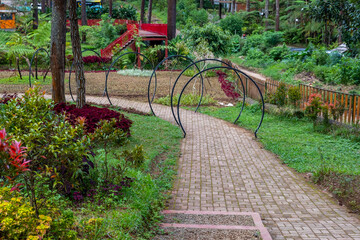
(93, 115)
(232, 23)
(12, 160)
(96, 59)
(294, 35)
(7, 97)
(320, 57)
(50, 140)
(218, 41)
(199, 17)
(227, 86)
(294, 95)
(18, 219)
(279, 53)
(280, 95)
(314, 107)
(124, 12)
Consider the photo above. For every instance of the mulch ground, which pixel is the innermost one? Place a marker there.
(129, 87)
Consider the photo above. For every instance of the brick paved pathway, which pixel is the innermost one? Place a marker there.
(222, 168)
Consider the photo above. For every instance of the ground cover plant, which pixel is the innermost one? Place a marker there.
(68, 182)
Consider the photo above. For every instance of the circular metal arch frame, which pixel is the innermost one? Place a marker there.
(204, 60)
(72, 65)
(156, 68)
(112, 64)
(221, 67)
(32, 59)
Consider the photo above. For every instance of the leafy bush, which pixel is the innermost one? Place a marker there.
(294, 35)
(18, 219)
(257, 58)
(124, 12)
(263, 41)
(294, 95)
(96, 59)
(50, 140)
(280, 95)
(320, 57)
(227, 86)
(279, 53)
(232, 23)
(12, 161)
(101, 36)
(199, 17)
(218, 41)
(92, 116)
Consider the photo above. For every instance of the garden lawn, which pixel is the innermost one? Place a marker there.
(137, 214)
(295, 141)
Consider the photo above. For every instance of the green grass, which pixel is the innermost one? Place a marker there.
(25, 80)
(295, 141)
(137, 214)
(187, 100)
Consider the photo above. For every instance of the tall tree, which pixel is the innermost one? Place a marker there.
(266, 13)
(150, 10)
(201, 3)
(43, 7)
(58, 43)
(35, 14)
(142, 11)
(277, 17)
(110, 8)
(83, 18)
(248, 5)
(76, 49)
(171, 31)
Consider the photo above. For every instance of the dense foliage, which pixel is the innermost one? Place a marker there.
(92, 116)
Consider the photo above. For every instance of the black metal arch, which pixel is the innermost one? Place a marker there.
(32, 59)
(221, 67)
(112, 64)
(154, 72)
(204, 60)
(85, 50)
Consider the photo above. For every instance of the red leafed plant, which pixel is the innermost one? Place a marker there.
(96, 59)
(227, 86)
(91, 116)
(12, 160)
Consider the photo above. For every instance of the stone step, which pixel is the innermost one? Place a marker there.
(207, 225)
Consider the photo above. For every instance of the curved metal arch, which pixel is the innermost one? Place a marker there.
(154, 72)
(112, 64)
(222, 67)
(85, 50)
(204, 60)
(32, 59)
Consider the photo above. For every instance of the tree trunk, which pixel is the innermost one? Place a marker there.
(76, 49)
(277, 18)
(83, 18)
(110, 8)
(171, 32)
(58, 43)
(149, 11)
(201, 3)
(220, 7)
(266, 13)
(43, 7)
(35, 14)
(142, 12)
(234, 6)
(248, 5)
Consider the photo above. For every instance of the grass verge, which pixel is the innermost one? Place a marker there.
(136, 215)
